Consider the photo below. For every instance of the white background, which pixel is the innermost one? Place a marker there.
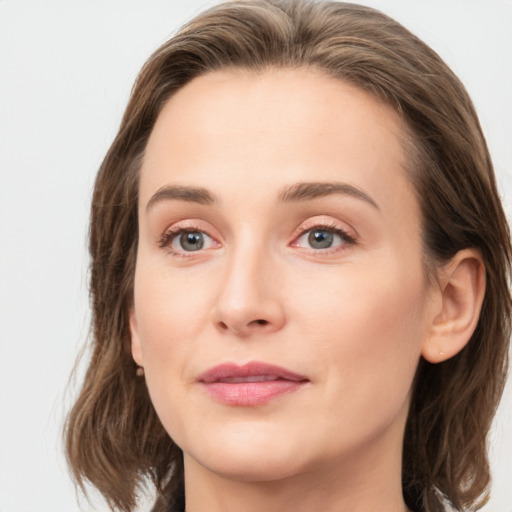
(66, 69)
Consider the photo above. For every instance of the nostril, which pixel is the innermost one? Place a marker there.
(262, 322)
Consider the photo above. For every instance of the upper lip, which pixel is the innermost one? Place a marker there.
(232, 372)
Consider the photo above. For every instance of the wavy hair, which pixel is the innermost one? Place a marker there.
(114, 439)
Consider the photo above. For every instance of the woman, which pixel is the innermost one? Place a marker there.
(299, 274)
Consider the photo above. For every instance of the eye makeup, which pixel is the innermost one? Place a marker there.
(316, 236)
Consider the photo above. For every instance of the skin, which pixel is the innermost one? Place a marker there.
(353, 318)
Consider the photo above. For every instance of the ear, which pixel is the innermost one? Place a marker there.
(462, 289)
(134, 337)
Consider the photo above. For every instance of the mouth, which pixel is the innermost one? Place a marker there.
(249, 385)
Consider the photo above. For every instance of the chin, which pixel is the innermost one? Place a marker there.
(263, 468)
(249, 455)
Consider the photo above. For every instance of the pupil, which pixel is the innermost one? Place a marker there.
(320, 239)
(192, 241)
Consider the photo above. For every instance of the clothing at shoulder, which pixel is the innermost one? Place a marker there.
(179, 509)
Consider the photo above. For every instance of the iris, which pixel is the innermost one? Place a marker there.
(320, 239)
(191, 241)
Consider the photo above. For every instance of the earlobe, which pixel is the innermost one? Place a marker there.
(462, 289)
(134, 337)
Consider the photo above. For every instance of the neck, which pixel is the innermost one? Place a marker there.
(294, 495)
(361, 482)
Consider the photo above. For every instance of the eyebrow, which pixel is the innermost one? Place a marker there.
(308, 191)
(198, 195)
(293, 193)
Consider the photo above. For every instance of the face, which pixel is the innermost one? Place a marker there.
(280, 302)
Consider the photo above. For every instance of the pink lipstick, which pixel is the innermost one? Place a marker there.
(252, 384)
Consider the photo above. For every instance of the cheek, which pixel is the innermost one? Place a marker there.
(361, 299)
(169, 315)
(171, 310)
(369, 326)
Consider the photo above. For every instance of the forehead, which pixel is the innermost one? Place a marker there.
(242, 130)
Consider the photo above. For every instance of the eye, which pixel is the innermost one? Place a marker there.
(189, 241)
(323, 237)
(182, 240)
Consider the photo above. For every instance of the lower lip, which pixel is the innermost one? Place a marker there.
(251, 393)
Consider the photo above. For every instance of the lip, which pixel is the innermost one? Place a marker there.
(252, 384)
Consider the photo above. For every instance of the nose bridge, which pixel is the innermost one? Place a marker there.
(248, 299)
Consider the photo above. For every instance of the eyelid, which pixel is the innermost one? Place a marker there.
(328, 224)
(171, 232)
(325, 222)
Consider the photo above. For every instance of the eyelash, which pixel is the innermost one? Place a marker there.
(171, 234)
(347, 240)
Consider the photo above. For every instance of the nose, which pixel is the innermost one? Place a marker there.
(249, 301)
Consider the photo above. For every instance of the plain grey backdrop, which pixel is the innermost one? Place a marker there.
(66, 69)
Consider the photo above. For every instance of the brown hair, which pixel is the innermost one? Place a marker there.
(113, 438)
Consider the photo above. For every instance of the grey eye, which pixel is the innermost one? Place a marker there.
(320, 239)
(191, 240)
